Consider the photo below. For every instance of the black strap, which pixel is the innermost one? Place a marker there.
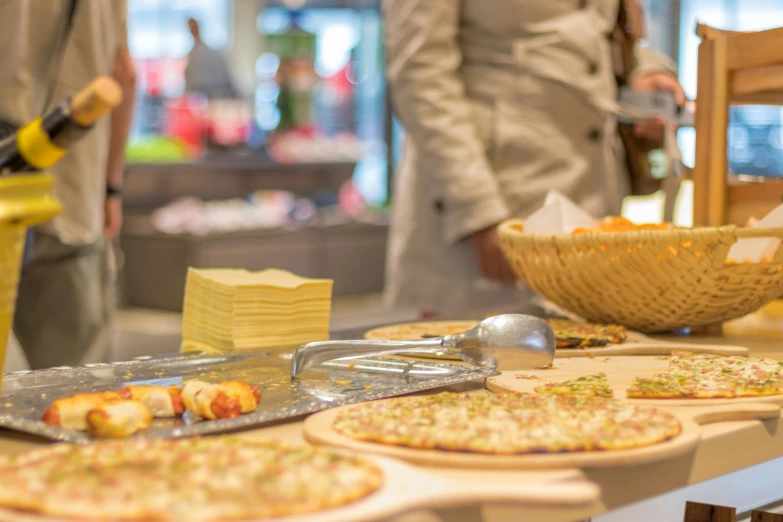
(56, 61)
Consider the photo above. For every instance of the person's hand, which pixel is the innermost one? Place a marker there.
(486, 247)
(657, 81)
(112, 211)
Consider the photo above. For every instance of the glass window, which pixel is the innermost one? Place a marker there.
(158, 29)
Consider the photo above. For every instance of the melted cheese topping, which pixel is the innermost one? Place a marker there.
(218, 478)
(703, 376)
(506, 423)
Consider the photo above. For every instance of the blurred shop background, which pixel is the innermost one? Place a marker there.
(295, 170)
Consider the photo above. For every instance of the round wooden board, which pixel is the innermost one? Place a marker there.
(406, 488)
(318, 430)
(620, 372)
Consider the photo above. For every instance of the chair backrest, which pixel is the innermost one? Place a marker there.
(734, 68)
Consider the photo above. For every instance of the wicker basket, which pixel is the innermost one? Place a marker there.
(653, 280)
(24, 201)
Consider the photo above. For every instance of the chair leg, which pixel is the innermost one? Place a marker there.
(696, 512)
(760, 516)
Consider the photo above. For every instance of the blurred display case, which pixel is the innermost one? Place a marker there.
(315, 137)
(316, 93)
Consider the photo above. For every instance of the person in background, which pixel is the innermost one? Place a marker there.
(501, 101)
(66, 302)
(207, 71)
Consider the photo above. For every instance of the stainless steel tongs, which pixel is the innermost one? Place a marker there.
(505, 342)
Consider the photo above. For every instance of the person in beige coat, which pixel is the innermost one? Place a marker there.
(502, 101)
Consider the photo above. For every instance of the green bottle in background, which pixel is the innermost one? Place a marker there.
(296, 76)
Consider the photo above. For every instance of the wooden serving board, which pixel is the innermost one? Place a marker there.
(640, 344)
(636, 344)
(620, 372)
(318, 430)
(407, 488)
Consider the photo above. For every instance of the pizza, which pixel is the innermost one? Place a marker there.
(707, 376)
(420, 330)
(573, 334)
(587, 385)
(506, 424)
(196, 479)
(569, 334)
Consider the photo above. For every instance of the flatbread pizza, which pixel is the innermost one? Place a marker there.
(507, 424)
(219, 478)
(419, 330)
(569, 334)
(706, 376)
(572, 334)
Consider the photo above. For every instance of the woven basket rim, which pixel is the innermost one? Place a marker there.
(682, 234)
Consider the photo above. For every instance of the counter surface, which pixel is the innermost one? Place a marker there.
(724, 448)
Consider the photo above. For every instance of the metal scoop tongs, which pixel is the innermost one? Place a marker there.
(504, 342)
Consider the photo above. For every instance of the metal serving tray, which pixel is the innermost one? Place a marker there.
(26, 395)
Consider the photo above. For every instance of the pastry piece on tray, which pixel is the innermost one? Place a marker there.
(162, 402)
(70, 413)
(226, 400)
(118, 419)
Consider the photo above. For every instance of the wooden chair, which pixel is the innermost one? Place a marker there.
(698, 512)
(734, 69)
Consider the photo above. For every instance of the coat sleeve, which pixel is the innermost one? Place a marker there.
(648, 61)
(423, 61)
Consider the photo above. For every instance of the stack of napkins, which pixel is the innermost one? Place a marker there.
(234, 309)
(558, 215)
(762, 249)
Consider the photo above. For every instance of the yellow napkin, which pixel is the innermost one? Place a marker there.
(229, 309)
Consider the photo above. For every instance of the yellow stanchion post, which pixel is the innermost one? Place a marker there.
(25, 200)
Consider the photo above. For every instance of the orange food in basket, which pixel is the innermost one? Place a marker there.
(763, 260)
(621, 224)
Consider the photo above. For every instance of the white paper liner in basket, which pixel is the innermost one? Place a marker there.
(650, 280)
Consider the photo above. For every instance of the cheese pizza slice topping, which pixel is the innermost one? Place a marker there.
(709, 376)
(194, 479)
(588, 385)
(572, 334)
(506, 424)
